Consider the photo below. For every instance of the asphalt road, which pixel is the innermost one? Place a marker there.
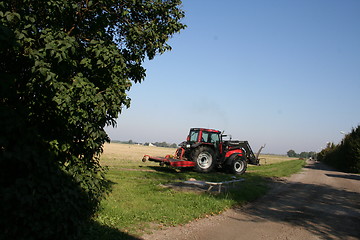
(318, 203)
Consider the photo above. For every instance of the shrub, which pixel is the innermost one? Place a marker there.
(346, 155)
(38, 198)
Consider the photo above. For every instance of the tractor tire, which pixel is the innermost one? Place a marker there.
(204, 158)
(238, 166)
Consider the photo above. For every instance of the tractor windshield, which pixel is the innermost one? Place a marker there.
(215, 138)
(194, 136)
(210, 137)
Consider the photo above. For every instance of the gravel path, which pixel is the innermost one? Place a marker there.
(318, 203)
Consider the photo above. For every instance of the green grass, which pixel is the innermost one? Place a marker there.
(281, 169)
(138, 202)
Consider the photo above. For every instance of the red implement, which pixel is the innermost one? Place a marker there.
(169, 161)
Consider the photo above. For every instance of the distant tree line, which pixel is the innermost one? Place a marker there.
(125, 142)
(157, 144)
(344, 156)
(163, 144)
(292, 153)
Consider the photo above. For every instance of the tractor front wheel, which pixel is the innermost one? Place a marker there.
(238, 166)
(204, 158)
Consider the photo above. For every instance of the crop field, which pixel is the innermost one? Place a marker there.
(117, 155)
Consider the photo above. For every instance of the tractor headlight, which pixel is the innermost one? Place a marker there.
(187, 145)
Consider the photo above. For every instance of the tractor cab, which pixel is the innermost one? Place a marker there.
(202, 136)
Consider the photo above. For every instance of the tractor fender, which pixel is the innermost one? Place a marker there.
(239, 152)
(231, 157)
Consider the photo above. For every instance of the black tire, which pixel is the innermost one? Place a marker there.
(204, 158)
(238, 166)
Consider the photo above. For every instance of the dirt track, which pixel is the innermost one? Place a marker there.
(318, 203)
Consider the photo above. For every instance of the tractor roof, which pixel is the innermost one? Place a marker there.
(205, 129)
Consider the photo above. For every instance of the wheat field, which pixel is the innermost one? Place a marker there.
(118, 155)
(126, 155)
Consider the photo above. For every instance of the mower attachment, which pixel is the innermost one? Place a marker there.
(167, 160)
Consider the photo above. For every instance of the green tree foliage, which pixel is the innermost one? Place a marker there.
(291, 153)
(161, 144)
(346, 155)
(66, 67)
(304, 155)
(174, 145)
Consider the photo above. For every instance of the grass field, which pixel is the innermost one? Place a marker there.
(138, 201)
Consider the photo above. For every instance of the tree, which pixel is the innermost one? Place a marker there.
(66, 67)
(344, 156)
(304, 155)
(291, 153)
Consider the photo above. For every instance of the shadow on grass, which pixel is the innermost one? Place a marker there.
(253, 186)
(163, 169)
(96, 231)
(187, 173)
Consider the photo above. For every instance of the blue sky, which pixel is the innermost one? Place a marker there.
(281, 73)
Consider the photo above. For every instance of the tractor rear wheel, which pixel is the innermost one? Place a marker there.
(204, 158)
(238, 166)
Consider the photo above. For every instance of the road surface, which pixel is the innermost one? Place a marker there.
(318, 203)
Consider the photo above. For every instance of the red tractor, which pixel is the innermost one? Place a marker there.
(206, 149)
